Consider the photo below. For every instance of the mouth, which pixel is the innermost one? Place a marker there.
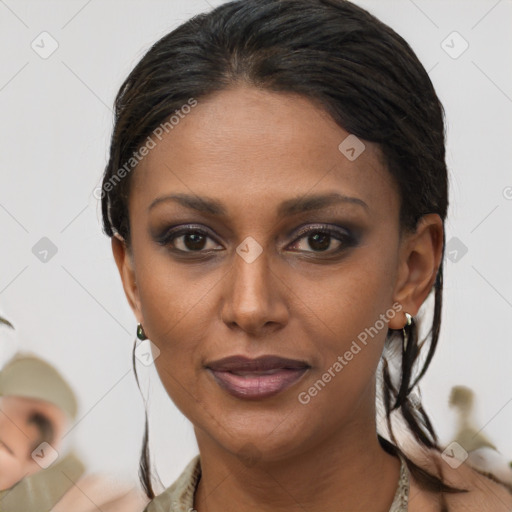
(258, 378)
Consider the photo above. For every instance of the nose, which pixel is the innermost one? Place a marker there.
(254, 297)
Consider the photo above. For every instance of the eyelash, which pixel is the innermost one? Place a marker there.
(344, 237)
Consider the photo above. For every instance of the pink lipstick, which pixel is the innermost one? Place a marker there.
(256, 378)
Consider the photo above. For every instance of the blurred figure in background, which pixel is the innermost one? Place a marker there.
(3, 321)
(38, 469)
(482, 453)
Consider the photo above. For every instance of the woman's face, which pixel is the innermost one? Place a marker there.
(19, 436)
(292, 251)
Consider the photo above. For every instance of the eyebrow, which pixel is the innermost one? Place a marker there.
(286, 208)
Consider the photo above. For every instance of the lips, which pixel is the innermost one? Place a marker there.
(260, 364)
(256, 378)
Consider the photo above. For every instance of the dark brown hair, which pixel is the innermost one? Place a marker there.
(356, 68)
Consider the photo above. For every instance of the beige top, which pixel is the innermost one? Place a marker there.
(179, 497)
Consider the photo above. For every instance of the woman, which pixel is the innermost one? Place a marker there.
(276, 195)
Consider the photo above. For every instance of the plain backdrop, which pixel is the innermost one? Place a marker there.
(54, 136)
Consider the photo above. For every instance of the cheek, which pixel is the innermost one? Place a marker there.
(11, 470)
(178, 312)
(352, 299)
(352, 308)
(168, 292)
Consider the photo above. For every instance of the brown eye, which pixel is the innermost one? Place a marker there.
(319, 241)
(325, 239)
(193, 241)
(189, 240)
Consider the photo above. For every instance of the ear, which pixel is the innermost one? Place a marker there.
(420, 258)
(124, 261)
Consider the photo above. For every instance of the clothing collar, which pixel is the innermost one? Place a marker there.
(179, 497)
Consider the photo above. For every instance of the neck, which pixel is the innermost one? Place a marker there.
(348, 472)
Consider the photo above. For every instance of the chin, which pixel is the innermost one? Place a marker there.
(262, 442)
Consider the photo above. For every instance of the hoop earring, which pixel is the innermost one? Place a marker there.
(140, 333)
(409, 321)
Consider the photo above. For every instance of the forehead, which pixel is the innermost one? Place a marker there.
(245, 144)
(19, 406)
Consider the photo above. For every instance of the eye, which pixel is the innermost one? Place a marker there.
(189, 239)
(322, 239)
(313, 239)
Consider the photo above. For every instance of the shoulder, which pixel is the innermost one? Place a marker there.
(483, 492)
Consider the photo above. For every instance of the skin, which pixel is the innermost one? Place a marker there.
(246, 148)
(19, 437)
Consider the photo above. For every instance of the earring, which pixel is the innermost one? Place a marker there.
(140, 333)
(409, 321)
